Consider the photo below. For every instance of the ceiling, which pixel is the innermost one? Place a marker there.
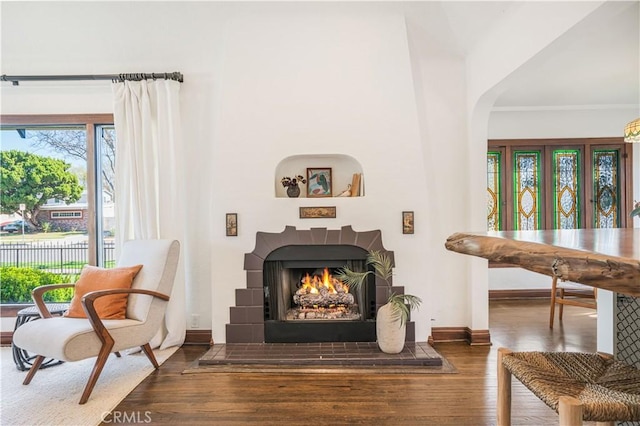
(596, 63)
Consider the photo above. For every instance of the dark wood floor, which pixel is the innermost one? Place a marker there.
(465, 398)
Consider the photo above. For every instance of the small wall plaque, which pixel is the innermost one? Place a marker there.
(317, 212)
(232, 224)
(407, 222)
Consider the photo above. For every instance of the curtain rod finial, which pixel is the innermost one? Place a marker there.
(13, 82)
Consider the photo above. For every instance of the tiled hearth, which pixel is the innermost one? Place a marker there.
(320, 354)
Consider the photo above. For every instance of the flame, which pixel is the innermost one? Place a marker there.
(312, 284)
(326, 281)
(308, 285)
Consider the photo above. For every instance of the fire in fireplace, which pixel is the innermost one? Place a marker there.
(321, 296)
(304, 302)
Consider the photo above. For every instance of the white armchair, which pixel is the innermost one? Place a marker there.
(74, 339)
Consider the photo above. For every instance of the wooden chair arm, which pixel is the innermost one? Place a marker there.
(37, 294)
(89, 299)
(605, 355)
(93, 295)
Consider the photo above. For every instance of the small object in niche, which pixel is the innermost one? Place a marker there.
(355, 185)
(291, 183)
(232, 224)
(346, 192)
(407, 222)
(293, 191)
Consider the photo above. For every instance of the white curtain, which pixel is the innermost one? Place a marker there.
(149, 173)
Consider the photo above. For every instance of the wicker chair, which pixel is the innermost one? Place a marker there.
(578, 386)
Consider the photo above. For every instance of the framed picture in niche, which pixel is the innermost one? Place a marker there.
(319, 182)
(232, 224)
(407, 222)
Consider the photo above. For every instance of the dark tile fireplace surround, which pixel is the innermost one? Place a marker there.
(252, 320)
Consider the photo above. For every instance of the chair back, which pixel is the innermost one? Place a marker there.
(160, 261)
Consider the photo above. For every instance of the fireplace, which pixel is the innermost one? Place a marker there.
(268, 310)
(304, 302)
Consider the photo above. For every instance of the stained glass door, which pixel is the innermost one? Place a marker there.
(606, 189)
(558, 184)
(526, 188)
(566, 189)
(494, 195)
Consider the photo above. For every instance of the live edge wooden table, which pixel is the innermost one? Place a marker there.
(602, 258)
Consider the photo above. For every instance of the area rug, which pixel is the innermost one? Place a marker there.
(52, 396)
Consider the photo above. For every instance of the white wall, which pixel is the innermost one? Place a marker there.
(262, 82)
(265, 81)
(440, 92)
(316, 79)
(561, 122)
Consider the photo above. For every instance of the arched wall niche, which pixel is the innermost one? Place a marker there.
(343, 167)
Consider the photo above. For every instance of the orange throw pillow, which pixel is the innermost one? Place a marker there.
(93, 278)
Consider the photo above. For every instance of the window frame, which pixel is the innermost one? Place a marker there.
(91, 122)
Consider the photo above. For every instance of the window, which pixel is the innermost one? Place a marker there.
(558, 184)
(75, 155)
(66, 215)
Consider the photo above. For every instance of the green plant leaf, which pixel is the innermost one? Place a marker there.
(398, 309)
(635, 212)
(381, 262)
(403, 304)
(351, 278)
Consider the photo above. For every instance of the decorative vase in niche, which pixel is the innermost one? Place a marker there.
(293, 191)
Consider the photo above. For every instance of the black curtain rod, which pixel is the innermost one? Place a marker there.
(16, 79)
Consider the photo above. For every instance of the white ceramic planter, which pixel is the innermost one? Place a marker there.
(390, 334)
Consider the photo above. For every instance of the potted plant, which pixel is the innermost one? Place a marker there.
(392, 317)
(291, 183)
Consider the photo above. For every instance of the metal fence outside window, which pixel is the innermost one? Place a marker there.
(59, 258)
